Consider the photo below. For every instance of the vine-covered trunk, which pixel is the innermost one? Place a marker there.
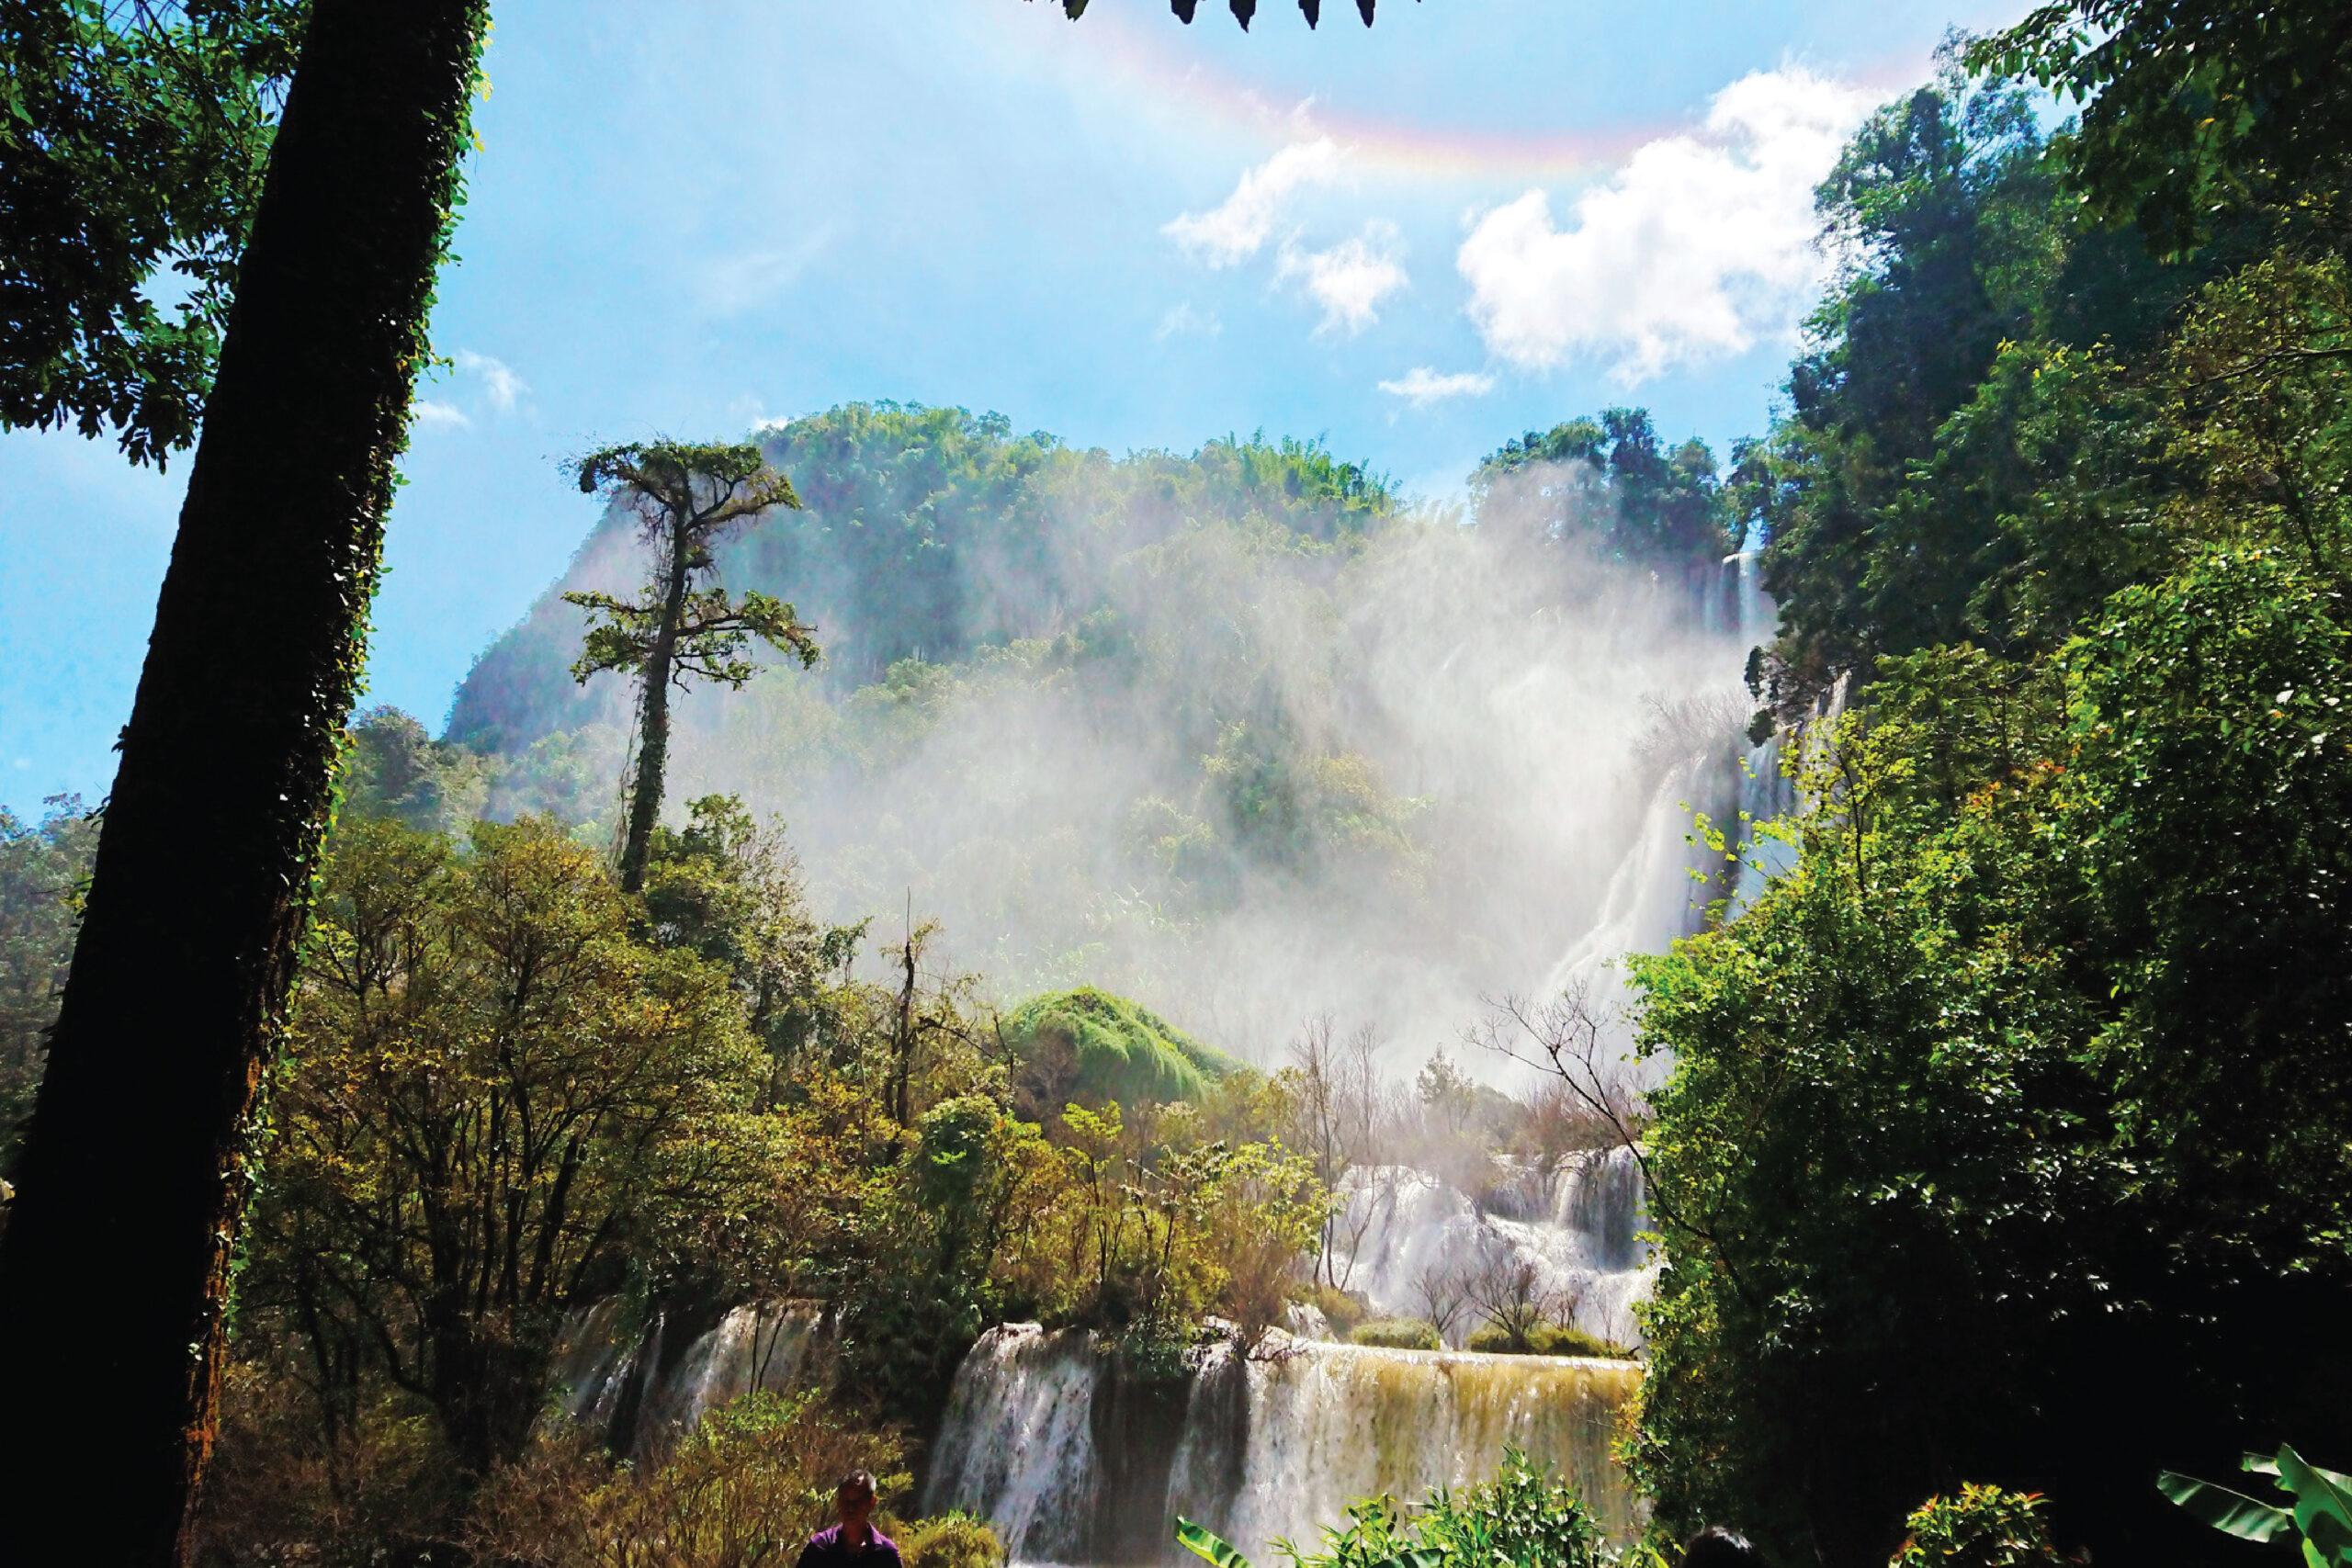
(653, 758)
(115, 1267)
(653, 718)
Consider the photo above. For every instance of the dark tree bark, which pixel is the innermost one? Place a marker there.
(115, 1267)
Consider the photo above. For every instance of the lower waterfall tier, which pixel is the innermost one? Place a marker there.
(1076, 1461)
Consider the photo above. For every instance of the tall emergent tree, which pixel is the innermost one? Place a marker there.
(116, 1264)
(687, 499)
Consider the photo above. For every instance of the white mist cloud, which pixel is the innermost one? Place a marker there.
(1422, 386)
(1185, 321)
(745, 280)
(1352, 279)
(426, 412)
(502, 385)
(1238, 230)
(1700, 245)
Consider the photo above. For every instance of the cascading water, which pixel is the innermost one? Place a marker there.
(636, 1388)
(1077, 1460)
(1764, 793)
(1577, 1224)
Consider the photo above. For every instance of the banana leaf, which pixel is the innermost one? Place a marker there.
(1207, 1545)
(2323, 1510)
(2262, 1464)
(2234, 1512)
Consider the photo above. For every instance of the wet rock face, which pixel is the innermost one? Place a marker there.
(1076, 1461)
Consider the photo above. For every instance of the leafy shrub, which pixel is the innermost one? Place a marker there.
(1544, 1340)
(954, 1540)
(744, 1490)
(1523, 1518)
(1554, 1339)
(1396, 1334)
(1984, 1527)
(282, 1490)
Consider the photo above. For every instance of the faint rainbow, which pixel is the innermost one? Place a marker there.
(1197, 93)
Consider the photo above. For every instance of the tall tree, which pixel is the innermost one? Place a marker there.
(688, 500)
(115, 1267)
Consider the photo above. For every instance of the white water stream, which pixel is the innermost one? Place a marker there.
(1075, 1460)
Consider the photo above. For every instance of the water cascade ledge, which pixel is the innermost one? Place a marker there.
(1077, 1460)
(638, 1389)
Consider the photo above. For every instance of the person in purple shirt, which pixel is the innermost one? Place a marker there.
(854, 1542)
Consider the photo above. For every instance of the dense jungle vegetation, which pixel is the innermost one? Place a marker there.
(2005, 1138)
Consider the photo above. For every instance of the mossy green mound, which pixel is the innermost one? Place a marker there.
(1100, 1047)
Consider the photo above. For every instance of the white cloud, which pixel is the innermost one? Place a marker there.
(1185, 321)
(1700, 245)
(427, 411)
(750, 279)
(1239, 228)
(1352, 279)
(502, 384)
(1421, 386)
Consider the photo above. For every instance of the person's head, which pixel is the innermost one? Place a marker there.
(854, 1498)
(1716, 1546)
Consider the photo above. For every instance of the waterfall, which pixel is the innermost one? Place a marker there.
(638, 1387)
(1652, 896)
(1077, 1460)
(1577, 1224)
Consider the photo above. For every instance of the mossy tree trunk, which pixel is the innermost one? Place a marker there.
(653, 717)
(115, 1267)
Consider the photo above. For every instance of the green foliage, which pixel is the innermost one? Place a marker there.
(2192, 107)
(1995, 1081)
(1610, 486)
(953, 1540)
(1544, 1340)
(501, 1106)
(1523, 1517)
(44, 868)
(1982, 1527)
(1396, 1334)
(2319, 1516)
(1094, 1048)
(744, 1489)
(393, 769)
(133, 142)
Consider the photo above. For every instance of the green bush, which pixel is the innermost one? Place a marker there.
(1396, 1334)
(1523, 1518)
(1545, 1339)
(1549, 1341)
(954, 1540)
(1984, 1527)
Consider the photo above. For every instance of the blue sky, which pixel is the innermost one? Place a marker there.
(1479, 216)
